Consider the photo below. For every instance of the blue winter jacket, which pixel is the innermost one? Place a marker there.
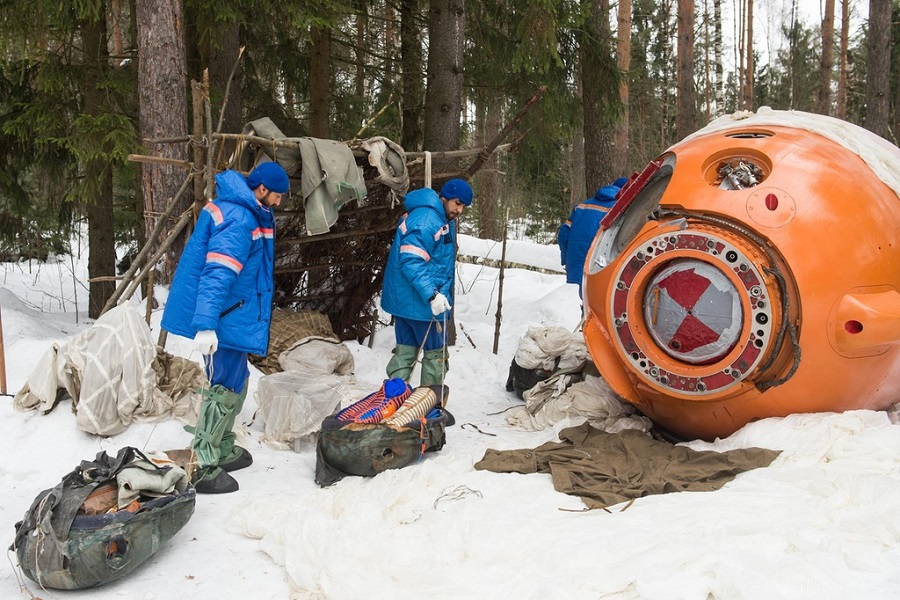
(232, 252)
(576, 235)
(422, 258)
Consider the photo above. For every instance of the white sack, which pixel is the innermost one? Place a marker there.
(320, 354)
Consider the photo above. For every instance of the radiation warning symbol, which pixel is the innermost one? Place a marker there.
(693, 311)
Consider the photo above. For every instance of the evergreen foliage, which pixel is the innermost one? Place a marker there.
(46, 136)
(513, 47)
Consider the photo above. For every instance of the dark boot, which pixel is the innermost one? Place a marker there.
(241, 461)
(216, 481)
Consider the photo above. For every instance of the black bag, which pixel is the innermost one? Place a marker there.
(521, 380)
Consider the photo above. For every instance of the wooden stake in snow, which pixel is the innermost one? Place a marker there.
(500, 286)
(2, 360)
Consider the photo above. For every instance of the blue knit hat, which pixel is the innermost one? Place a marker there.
(457, 189)
(620, 182)
(271, 175)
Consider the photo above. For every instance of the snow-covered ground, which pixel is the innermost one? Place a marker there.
(821, 522)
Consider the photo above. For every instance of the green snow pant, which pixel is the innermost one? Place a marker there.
(435, 364)
(213, 437)
(402, 363)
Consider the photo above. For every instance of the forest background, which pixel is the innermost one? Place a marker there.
(86, 83)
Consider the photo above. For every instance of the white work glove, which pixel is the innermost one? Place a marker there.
(439, 304)
(206, 341)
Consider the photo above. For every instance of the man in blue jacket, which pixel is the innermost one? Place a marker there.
(419, 278)
(221, 297)
(576, 235)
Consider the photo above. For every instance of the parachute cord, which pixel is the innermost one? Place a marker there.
(16, 569)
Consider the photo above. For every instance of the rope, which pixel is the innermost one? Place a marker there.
(16, 569)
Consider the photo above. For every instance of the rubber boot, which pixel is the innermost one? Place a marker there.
(218, 403)
(231, 456)
(216, 481)
(402, 363)
(435, 364)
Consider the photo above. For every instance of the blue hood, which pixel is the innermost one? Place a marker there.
(424, 197)
(232, 187)
(607, 193)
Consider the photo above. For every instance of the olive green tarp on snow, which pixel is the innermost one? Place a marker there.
(604, 469)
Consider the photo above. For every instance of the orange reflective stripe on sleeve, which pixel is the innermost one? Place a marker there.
(224, 260)
(215, 212)
(410, 249)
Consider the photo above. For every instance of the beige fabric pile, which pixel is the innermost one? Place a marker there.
(114, 374)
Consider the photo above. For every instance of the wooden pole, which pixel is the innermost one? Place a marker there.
(142, 255)
(199, 144)
(500, 286)
(148, 299)
(160, 160)
(485, 153)
(210, 179)
(2, 358)
(186, 218)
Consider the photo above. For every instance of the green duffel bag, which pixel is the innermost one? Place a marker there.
(59, 547)
(365, 449)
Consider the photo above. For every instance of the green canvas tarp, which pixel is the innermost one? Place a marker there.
(604, 469)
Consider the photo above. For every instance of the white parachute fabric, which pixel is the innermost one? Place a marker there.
(317, 380)
(556, 399)
(550, 348)
(293, 404)
(568, 393)
(108, 371)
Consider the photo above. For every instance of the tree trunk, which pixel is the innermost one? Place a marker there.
(487, 179)
(98, 172)
(666, 83)
(717, 55)
(600, 97)
(827, 65)
(223, 54)
(748, 90)
(389, 59)
(707, 83)
(359, 77)
(578, 190)
(878, 65)
(741, 53)
(411, 86)
(320, 83)
(623, 61)
(845, 44)
(162, 96)
(686, 119)
(443, 95)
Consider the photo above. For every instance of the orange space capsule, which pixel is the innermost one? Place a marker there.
(752, 271)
